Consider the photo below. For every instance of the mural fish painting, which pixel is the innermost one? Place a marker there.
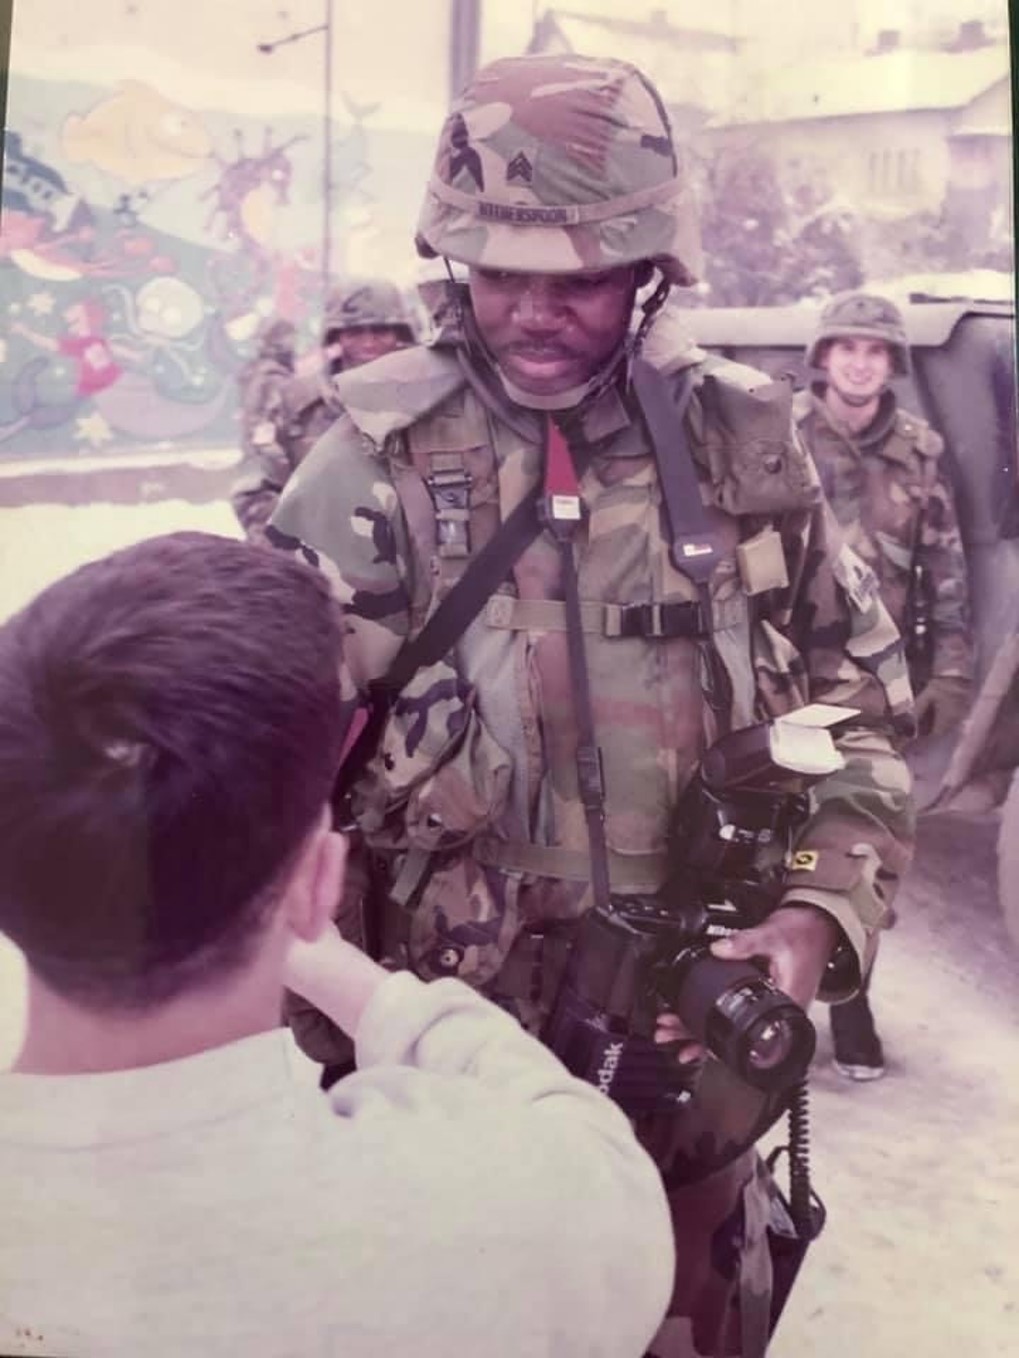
(138, 136)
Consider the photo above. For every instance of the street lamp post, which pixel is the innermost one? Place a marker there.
(326, 29)
(327, 154)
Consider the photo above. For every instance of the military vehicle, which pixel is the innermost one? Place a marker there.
(963, 382)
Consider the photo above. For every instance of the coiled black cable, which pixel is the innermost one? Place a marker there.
(805, 1207)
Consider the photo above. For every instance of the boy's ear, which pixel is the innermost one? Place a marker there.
(316, 883)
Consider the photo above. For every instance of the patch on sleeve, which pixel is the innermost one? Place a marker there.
(804, 860)
(855, 577)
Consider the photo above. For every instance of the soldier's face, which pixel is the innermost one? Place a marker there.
(551, 332)
(361, 346)
(858, 368)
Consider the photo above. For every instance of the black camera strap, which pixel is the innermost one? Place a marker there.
(694, 549)
(561, 510)
(444, 628)
(694, 552)
(693, 545)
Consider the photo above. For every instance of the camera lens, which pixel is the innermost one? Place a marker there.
(769, 1045)
(745, 1021)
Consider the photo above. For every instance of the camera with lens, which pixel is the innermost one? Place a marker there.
(731, 841)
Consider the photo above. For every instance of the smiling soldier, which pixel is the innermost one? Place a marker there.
(536, 737)
(363, 320)
(881, 469)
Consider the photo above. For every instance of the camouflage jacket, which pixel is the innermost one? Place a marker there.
(260, 382)
(294, 414)
(472, 798)
(892, 500)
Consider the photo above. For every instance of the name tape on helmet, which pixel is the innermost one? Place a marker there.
(553, 214)
(526, 216)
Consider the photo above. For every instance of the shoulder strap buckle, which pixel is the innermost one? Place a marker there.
(450, 491)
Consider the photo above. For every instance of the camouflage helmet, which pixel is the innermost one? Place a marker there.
(277, 340)
(868, 316)
(560, 163)
(366, 304)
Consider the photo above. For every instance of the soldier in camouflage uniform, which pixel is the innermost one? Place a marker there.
(556, 183)
(881, 470)
(261, 380)
(363, 320)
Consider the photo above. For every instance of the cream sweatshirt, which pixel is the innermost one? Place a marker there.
(460, 1194)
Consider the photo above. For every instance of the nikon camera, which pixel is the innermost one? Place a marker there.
(732, 840)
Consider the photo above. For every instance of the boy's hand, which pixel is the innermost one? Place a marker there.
(335, 976)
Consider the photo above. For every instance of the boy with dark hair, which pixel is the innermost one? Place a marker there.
(171, 723)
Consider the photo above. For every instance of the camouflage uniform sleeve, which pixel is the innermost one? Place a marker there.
(832, 640)
(341, 512)
(264, 468)
(941, 543)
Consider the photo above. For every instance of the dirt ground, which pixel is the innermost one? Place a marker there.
(919, 1171)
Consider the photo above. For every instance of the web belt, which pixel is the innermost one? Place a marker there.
(654, 621)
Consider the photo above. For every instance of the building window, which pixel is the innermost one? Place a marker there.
(893, 174)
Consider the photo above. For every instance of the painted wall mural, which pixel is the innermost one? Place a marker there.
(142, 244)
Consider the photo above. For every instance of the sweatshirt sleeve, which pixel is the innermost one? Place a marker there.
(572, 1176)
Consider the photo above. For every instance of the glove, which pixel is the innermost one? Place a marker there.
(943, 704)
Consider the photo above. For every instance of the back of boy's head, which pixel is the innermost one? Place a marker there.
(171, 720)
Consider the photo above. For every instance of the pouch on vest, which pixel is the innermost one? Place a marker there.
(438, 776)
(461, 923)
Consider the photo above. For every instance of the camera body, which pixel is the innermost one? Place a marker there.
(731, 841)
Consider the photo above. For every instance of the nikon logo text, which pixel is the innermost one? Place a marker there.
(607, 1069)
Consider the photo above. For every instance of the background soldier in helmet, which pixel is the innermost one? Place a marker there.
(492, 821)
(261, 380)
(364, 319)
(881, 470)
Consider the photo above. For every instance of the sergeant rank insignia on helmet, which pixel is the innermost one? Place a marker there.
(519, 168)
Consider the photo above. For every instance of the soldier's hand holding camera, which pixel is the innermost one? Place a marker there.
(795, 940)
